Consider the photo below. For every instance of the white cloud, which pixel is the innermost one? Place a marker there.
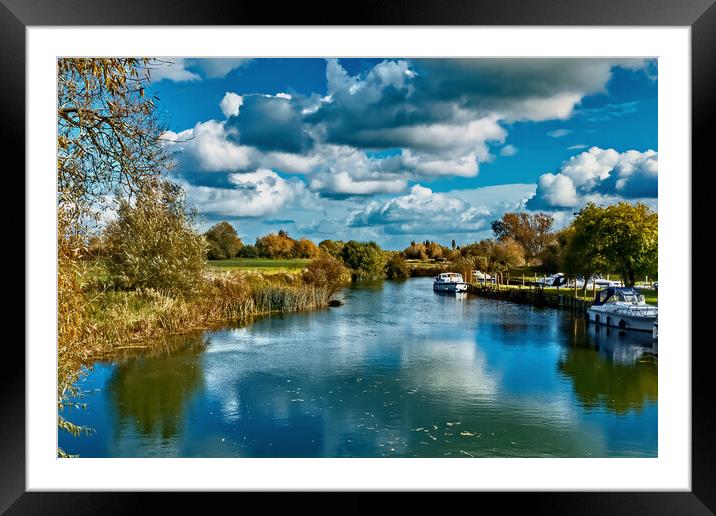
(422, 211)
(441, 138)
(599, 175)
(588, 168)
(559, 133)
(343, 183)
(217, 67)
(207, 148)
(255, 194)
(558, 107)
(557, 190)
(231, 104)
(177, 69)
(508, 150)
(173, 69)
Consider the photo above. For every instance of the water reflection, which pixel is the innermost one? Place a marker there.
(396, 371)
(613, 370)
(150, 393)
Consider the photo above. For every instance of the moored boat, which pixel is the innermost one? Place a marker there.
(623, 308)
(449, 282)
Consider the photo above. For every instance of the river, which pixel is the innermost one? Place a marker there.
(397, 371)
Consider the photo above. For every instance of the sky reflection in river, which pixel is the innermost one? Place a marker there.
(396, 371)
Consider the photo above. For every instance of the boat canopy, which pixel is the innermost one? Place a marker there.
(449, 276)
(623, 294)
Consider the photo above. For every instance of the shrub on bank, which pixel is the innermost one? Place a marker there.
(397, 268)
(152, 243)
(325, 272)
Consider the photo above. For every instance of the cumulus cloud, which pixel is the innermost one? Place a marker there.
(401, 121)
(598, 175)
(343, 183)
(254, 194)
(217, 67)
(173, 69)
(208, 148)
(422, 211)
(179, 69)
(271, 123)
(231, 104)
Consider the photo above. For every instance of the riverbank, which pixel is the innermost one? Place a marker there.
(552, 294)
(532, 296)
(107, 321)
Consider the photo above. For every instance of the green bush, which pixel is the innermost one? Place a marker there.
(325, 272)
(365, 257)
(152, 244)
(396, 268)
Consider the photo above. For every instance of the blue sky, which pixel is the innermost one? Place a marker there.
(398, 149)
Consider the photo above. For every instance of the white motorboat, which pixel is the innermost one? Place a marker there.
(555, 280)
(482, 277)
(595, 282)
(449, 282)
(623, 308)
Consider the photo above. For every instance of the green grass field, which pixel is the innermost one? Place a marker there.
(264, 265)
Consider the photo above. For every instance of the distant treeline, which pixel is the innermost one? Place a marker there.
(600, 239)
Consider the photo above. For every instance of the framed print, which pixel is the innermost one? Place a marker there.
(417, 250)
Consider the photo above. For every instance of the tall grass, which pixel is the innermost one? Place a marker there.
(119, 319)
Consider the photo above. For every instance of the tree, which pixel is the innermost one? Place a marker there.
(152, 243)
(304, 248)
(621, 237)
(275, 245)
(532, 232)
(109, 147)
(433, 250)
(508, 254)
(396, 267)
(223, 241)
(416, 252)
(332, 247)
(249, 251)
(109, 141)
(630, 238)
(464, 265)
(367, 257)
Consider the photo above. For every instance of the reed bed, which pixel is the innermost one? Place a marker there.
(116, 319)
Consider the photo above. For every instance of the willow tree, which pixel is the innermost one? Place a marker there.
(108, 147)
(108, 137)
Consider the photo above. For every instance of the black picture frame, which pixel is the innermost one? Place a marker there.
(700, 15)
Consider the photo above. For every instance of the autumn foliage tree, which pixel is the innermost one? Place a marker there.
(532, 231)
(223, 242)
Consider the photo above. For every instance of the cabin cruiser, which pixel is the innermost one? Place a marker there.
(482, 277)
(555, 280)
(624, 308)
(449, 282)
(595, 282)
